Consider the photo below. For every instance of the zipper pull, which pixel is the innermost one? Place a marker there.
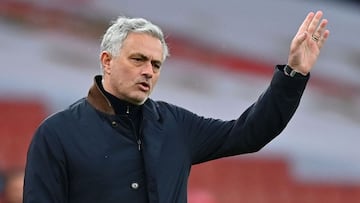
(127, 109)
(139, 144)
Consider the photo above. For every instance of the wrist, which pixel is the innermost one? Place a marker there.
(289, 71)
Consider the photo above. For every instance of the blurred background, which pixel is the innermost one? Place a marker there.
(222, 56)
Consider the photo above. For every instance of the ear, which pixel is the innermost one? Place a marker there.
(105, 59)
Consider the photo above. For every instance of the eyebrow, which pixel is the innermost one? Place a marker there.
(144, 57)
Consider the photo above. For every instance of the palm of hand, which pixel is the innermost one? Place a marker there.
(307, 43)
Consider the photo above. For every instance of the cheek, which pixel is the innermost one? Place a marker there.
(117, 81)
(121, 76)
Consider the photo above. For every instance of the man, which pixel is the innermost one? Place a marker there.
(118, 145)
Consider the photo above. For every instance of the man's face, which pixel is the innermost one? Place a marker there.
(133, 74)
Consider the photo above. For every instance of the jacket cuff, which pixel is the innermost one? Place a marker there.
(282, 81)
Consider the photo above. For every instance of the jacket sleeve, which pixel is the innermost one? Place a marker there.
(45, 174)
(258, 125)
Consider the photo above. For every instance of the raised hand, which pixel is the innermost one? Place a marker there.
(306, 45)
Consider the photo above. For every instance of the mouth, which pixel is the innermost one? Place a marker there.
(144, 86)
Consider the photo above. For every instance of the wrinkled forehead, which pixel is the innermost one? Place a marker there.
(145, 44)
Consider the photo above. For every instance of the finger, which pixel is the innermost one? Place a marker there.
(315, 22)
(320, 30)
(323, 38)
(304, 26)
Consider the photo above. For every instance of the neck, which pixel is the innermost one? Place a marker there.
(122, 107)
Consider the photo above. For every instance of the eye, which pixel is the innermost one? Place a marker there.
(156, 66)
(137, 59)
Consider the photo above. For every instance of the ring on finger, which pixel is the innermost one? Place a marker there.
(315, 38)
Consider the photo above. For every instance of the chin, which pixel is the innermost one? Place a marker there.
(138, 101)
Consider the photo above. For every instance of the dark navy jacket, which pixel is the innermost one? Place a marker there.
(79, 156)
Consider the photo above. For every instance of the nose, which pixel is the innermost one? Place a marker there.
(147, 70)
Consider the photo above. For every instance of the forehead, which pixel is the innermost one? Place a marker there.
(145, 44)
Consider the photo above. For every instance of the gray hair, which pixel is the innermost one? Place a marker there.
(116, 34)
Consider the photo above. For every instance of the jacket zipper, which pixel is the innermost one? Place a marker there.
(139, 144)
(137, 136)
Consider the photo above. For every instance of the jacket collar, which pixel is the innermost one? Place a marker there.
(98, 100)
